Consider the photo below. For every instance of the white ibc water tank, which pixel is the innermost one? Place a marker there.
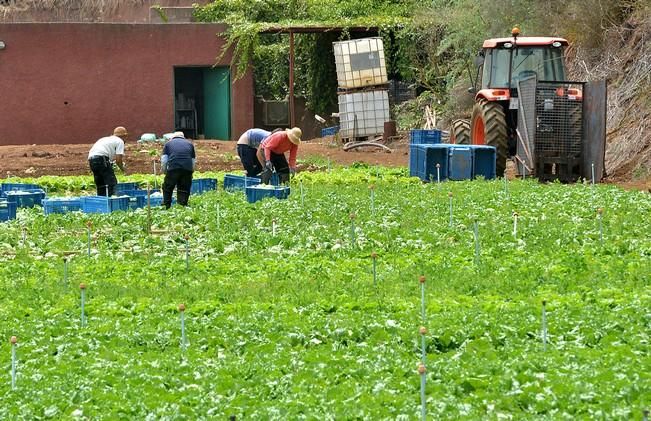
(363, 113)
(360, 63)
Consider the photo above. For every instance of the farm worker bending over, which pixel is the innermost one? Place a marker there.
(272, 154)
(101, 157)
(178, 162)
(247, 147)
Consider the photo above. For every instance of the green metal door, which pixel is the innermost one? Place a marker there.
(217, 103)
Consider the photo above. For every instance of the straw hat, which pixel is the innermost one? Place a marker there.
(294, 135)
(120, 131)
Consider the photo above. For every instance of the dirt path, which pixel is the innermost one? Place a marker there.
(38, 160)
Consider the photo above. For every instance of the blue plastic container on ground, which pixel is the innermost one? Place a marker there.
(239, 182)
(26, 199)
(202, 185)
(423, 161)
(7, 187)
(422, 137)
(121, 188)
(61, 205)
(329, 131)
(484, 158)
(7, 210)
(255, 193)
(460, 163)
(103, 204)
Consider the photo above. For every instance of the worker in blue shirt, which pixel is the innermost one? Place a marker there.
(247, 148)
(178, 162)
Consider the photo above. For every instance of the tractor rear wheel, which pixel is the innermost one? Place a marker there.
(488, 127)
(460, 132)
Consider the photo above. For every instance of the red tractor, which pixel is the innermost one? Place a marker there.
(554, 113)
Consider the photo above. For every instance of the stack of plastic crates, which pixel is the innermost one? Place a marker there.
(7, 187)
(424, 137)
(61, 205)
(239, 182)
(103, 204)
(25, 199)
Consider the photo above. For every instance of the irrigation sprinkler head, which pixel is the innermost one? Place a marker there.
(371, 186)
(422, 330)
(13, 340)
(421, 279)
(181, 307)
(544, 303)
(89, 224)
(600, 210)
(186, 237)
(421, 369)
(515, 214)
(374, 255)
(352, 215)
(449, 194)
(438, 165)
(273, 220)
(82, 286)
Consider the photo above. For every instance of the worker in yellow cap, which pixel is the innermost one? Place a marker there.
(271, 154)
(102, 155)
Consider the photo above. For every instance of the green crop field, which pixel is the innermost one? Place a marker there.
(287, 316)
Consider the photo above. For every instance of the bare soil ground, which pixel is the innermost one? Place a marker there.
(38, 160)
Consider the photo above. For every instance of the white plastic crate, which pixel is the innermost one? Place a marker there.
(360, 63)
(363, 113)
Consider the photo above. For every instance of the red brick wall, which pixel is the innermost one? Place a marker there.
(72, 83)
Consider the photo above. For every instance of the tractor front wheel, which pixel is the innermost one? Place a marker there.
(488, 127)
(460, 132)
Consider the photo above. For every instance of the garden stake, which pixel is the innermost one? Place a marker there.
(476, 234)
(273, 227)
(515, 225)
(423, 401)
(65, 271)
(421, 279)
(300, 183)
(372, 187)
(593, 173)
(506, 186)
(352, 229)
(645, 416)
(13, 362)
(423, 331)
(450, 196)
(182, 311)
(374, 257)
(601, 226)
(544, 325)
(24, 236)
(187, 252)
(438, 174)
(82, 286)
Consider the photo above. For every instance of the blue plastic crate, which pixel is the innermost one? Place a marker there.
(423, 161)
(255, 193)
(25, 199)
(156, 199)
(61, 205)
(329, 131)
(7, 210)
(425, 137)
(202, 185)
(7, 187)
(103, 204)
(139, 193)
(137, 202)
(239, 182)
(120, 188)
(460, 164)
(484, 159)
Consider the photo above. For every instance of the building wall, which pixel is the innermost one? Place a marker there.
(74, 82)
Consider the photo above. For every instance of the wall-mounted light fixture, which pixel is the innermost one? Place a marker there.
(2, 45)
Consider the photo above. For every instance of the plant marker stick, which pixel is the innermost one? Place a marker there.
(423, 401)
(438, 173)
(476, 235)
(450, 196)
(374, 257)
(506, 186)
(273, 227)
(423, 331)
(593, 173)
(300, 183)
(645, 416)
(544, 325)
(182, 311)
(372, 187)
(24, 236)
(601, 226)
(187, 252)
(82, 286)
(352, 228)
(515, 225)
(421, 279)
(65, 271)
(13, 362)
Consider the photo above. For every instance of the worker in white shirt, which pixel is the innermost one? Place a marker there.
(101, 157)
